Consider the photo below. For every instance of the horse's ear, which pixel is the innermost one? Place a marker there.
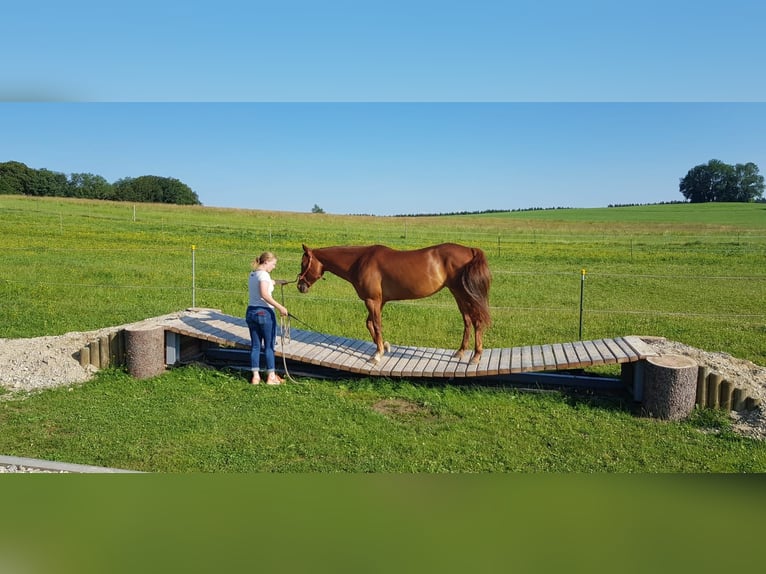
(305, 249)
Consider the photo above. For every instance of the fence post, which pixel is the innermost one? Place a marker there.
(582, 297)
(194, 277)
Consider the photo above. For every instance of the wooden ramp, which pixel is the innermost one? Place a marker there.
(352, 355)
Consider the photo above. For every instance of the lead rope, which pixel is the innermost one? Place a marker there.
(284, 328)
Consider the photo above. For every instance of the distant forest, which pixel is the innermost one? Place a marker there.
(16, 178)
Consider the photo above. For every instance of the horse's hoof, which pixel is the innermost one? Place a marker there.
(458, 355)
(375, 359)
(387, 346)
(474, 360)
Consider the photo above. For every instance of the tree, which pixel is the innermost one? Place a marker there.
(154, 189)
(718, 181)
(15, 178)
(47, 183)
(317, 209)
(750, 185)
(89, 186)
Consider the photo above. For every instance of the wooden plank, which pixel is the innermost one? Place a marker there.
(300, 350)
(627, 349)
(388, 362)
(549, 359)
(376, 369)
(345, 355)
(561, 357)
(572, 358)
(413, 355)
(290, 349)
(447, 364)
(642, 349)
(313, 353)
(364, 365)
(607, 355)
(417, 364)
(592, 350)
(453, 366)
(469, 369)
(418, 356)
(287, 336)
(516, 365)
(357, 356)
(401, 356)
(493, 363)
(538, 363)
(322, 348)
(483, 366)
(363, 353)
(504, 367)
(435, 365)
(616, 350)
(300, 334)
(526, 358)
(461, 368)
(428, 368)
(582, 353)
(477, 369)
(337, 355)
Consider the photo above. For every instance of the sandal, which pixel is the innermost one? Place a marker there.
(274, 379)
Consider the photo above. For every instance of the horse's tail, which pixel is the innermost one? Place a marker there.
(476, 278)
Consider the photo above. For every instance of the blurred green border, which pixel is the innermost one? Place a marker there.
(379, 523)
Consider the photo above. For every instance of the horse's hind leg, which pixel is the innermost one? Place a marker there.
(466, 335)
(459, 296)
(469, 321)
(478, 335)
(375, 328)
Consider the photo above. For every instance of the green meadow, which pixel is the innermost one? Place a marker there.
(689, 272)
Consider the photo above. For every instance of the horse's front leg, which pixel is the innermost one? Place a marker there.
(375, 328)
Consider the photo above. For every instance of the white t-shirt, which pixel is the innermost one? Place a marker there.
(256, 278)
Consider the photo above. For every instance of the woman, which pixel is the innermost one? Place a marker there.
(261, 318)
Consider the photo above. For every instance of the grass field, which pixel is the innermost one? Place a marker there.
(692, 273)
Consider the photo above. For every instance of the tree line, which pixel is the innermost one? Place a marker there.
(16, 178)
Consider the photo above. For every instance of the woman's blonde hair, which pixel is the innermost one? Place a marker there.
(262, 258)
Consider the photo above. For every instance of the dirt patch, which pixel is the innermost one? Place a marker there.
(399, 407)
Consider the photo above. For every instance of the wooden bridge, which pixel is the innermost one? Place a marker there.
(210, 332)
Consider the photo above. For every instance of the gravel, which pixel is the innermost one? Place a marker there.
(741, 373)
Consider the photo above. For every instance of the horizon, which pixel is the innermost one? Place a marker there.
(386, 159)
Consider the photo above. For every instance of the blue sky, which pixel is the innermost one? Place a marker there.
(387, 107)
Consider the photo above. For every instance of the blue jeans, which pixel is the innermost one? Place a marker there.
(262, 322)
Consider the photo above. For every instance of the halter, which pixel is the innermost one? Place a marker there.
(302, 276)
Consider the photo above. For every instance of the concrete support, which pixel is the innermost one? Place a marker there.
(670, 387)
(145, 351)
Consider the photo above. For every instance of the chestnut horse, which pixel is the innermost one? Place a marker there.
(381, 274)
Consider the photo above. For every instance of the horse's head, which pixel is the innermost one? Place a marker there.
(311, 270)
